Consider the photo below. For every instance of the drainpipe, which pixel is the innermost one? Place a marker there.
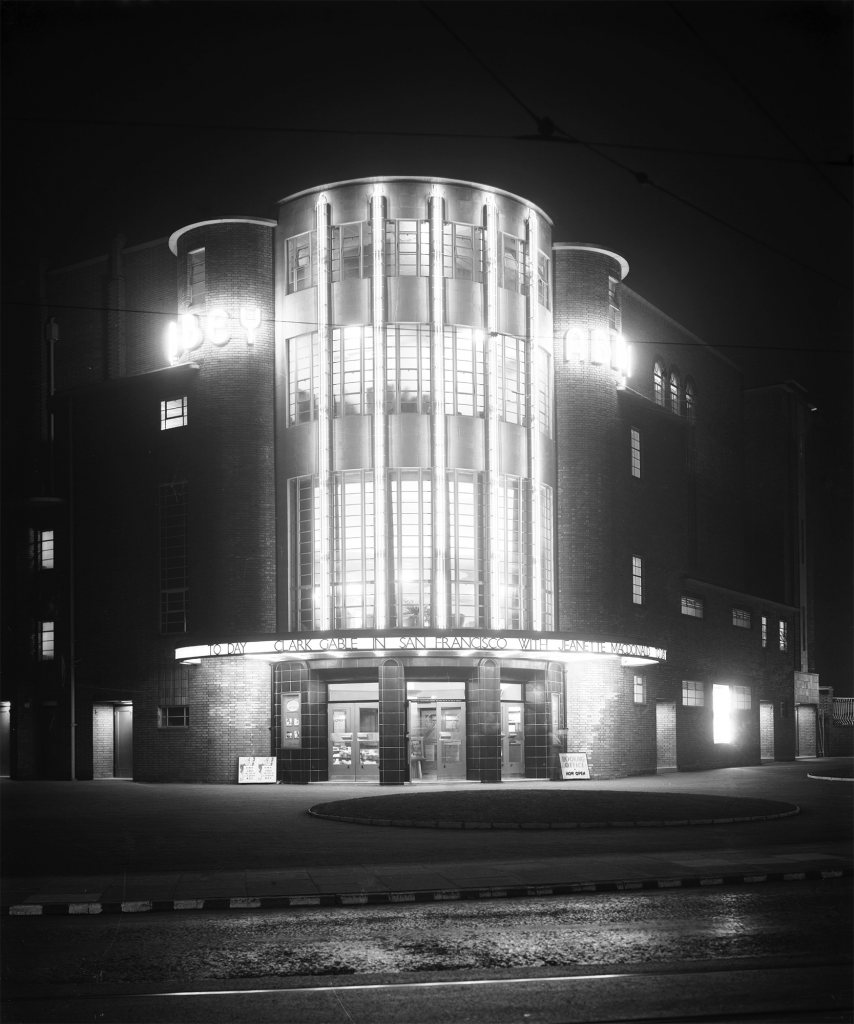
(71, 643)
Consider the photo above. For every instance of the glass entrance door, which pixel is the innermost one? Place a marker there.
(437, 741)
(512, 740)
(354, 742)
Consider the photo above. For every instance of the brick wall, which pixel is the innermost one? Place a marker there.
(102, 741)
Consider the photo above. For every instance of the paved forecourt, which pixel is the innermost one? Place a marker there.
(105, 846)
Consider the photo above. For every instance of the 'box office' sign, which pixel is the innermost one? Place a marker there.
(291, 738)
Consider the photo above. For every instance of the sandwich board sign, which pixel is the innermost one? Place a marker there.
(574, 766)
(256, 769)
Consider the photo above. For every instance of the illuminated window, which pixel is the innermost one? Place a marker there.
(196, 277)
(543, 286)
(407, 248)
(462, 250)
(613, 304)
(546, 561)
(353, 550)
(693, 693)
(302, 260)
(305, 531)
(692, 606)
(636, 453)
(741, 618)
(411, 528)
(303, 378)
(637, 580)
(690, 402)
(722, 713)
(44, 549)
(783, 635)
(764, 622)
(512, 530)
(408, 368)
(513, 272)
(512, 379)
(352, 252)
(46, 641)
(173, 558)
(352, 371)
(173, 700)
(674, 393)
(464, 371)
(544, 393)
(640, 690)
(658, 383)
(741, 698)
(465, 552)
(173, 413)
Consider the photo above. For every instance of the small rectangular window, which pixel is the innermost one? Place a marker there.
(196, 277)
(174, 717)
(692, 606)
(173, 413)
(741, 698)
(693, 693)
(636, 454)
(640, 690)
(784, 635)
(46, 641)
(44, 549)
(637, 580)
(741, 618)
(764, 630)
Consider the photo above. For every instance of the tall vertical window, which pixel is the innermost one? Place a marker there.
(546, 559)
(462, 252)
(174, 589)
(196, 277)
(637, 580)
(408, 368)
(512, 379)
(173, 413)
(412, 547)
(764, 630)
(352, 252)
(302, 260)
(674, 394)
(783, 635)
(305, 517)
(353, 550)
(44, 549)
(512, 547)
(303, 378)
(513, 271)
(690, 402)
(543, 286)
(352, 371)
(658, 383)
(464, 371)
(545, 413)
(636, 453)
(613, 304)
(465, 537)
(173, 698)
(46, 641)
(407, 248)
(640, 689)
(721, 713)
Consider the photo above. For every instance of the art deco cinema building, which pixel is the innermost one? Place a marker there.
(377, 491)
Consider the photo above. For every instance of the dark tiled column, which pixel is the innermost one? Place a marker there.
(483, 723)
(536, 729)
(555, 708)
(393, 753)
(291, 677)
(315, 747)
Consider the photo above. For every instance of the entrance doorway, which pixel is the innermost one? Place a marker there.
(665, 735)
(766, 731)
(806, 730)
(437, 741)
(5, 737)
(123, 741)
(354, 742)
(512, 740)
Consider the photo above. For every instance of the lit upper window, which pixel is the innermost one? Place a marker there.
(543, 290)
(352, 252)
(784, 635)
(613, 304)
(462, 250)
(640, 690)
(690, 402)
(407, 248)
(674, 393)
(692, 606)
(764, 622)
(636, 453)
(513, 273)
(46, 641)
(658, 383)
(173, 413)
(44, 549)
(741, 617)
(637, 580)
(196, 277)
(302, 259)
(693, 693)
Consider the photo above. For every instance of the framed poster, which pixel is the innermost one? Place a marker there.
(256, 769)
(291, 728)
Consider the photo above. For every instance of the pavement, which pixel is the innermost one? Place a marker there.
(119, 846)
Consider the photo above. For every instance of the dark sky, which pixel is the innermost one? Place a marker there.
(742, 109)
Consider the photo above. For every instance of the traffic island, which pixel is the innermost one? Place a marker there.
(524, 809)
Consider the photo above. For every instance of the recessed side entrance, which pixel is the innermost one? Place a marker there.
(5, 737)
(806, 717)
(123, 740)
(665, 735)
(512, 740)
(766, 731)
(437, 741)
(354, 742)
